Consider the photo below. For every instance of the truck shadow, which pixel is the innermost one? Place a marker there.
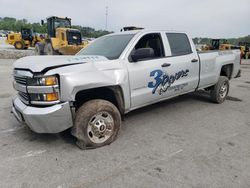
(47, 139)
(202, 96)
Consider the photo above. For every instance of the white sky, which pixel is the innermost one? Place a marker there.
(205, 18)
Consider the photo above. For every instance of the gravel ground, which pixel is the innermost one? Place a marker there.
(183, 142)
(9, 51)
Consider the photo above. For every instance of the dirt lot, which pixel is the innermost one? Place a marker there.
(183, 142)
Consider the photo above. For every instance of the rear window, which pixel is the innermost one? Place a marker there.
(179, 44)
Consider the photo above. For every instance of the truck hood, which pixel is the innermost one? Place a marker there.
(45, 63)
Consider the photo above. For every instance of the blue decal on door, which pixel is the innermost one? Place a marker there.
(162, 81)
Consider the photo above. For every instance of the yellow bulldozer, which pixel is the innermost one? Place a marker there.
(61, 39)
(24, 39)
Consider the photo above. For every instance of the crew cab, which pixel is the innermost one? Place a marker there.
(117, 73)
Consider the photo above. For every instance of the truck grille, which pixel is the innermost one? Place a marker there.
(24, 97)
(21, 80)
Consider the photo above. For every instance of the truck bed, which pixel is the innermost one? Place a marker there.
(212, 61)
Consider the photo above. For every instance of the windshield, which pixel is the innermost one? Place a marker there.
(110, 47)
(62, 23)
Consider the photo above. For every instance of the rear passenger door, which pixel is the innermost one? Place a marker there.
(182, 71)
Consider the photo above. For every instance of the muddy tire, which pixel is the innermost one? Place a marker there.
(220, 90)
(97, 124)
(19, 45)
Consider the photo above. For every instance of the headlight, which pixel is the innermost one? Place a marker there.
(48, 97)
(50, 81)
(44, 90)
(43, 81)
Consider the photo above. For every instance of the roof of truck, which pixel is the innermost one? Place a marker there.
(144, 31)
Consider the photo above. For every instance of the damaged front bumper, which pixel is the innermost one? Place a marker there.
(52, 119)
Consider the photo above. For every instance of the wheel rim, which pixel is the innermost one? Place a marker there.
(19, 45)
(223, 90)
(100, 127)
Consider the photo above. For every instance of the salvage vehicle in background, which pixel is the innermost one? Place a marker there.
(61, 38)
(2, 35)
(23, 40)
(114, 75)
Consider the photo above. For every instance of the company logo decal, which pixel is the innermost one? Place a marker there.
(164, 81)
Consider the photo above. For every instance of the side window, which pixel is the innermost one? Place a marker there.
(153, 41)
(179, 44)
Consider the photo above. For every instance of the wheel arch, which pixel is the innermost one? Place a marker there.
(227, 70)
(113, 94)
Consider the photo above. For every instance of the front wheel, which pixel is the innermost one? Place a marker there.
(97, 124)
(220, 90)
(19, 45)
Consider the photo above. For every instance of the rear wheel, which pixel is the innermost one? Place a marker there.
(220, 90)
(48, 49)
(19, 45)
(97, 124)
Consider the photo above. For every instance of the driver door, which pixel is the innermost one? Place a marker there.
(143, 73)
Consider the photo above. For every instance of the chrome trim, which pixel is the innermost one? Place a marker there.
(42, 89)
(22, 73)
(19, 87)
(21, 80)
(44, 103)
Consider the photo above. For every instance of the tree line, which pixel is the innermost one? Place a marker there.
(15, 25)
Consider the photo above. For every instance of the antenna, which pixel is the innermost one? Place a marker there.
(106, 23)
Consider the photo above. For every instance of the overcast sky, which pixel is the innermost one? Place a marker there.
(205, 18)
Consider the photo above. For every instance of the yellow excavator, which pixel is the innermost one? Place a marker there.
(61, 39)
(24, 39)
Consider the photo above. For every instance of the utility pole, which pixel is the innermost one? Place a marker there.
(106, 23)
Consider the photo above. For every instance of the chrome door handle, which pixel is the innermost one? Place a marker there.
(194, 60)
(165, 65)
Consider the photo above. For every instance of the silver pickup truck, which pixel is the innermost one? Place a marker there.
(117, 73)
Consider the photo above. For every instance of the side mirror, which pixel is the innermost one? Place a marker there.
(142, 53)
(42, 22)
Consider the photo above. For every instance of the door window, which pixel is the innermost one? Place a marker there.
(153, 41)
(179, 44)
